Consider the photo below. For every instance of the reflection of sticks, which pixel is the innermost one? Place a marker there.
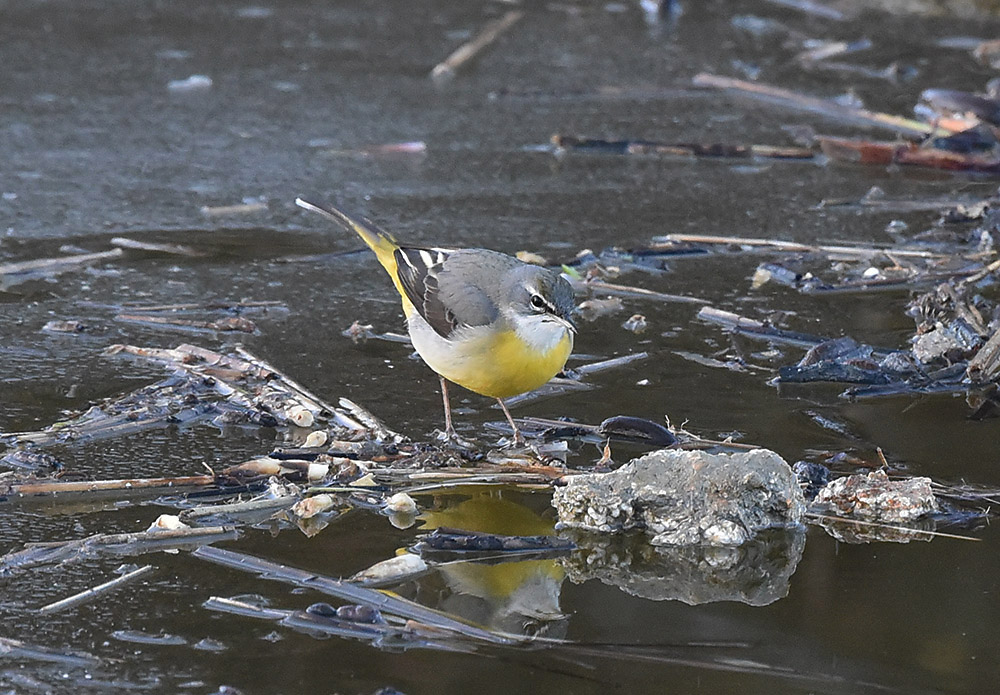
(93, 592)
(823, 107)
(891, 527)
(393, 633)
(389, 603)
(447, 68)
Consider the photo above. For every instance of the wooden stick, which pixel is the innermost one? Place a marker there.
(23, 650)
(757, 329)
(467, 51)
(57, 264)
(614, 290)
(52, 487)
(780, 245)
(985, 363)
(93, 592)
(113, 545)
(173, 249)
(825, 107)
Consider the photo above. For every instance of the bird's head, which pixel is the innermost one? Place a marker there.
(539, 297)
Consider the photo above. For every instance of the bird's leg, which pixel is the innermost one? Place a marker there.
(449, 430)
(518, 437)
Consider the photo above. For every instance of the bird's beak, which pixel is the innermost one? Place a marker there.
(568, 322)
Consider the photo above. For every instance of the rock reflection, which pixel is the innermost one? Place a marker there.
(756, 573)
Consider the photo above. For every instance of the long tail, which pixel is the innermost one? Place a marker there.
(378, 241)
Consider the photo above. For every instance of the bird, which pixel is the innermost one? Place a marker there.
(481, 319)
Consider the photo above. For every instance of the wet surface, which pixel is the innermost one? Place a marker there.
(97, 145)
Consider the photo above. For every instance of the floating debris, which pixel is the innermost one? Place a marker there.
(230, 324)
(240, 209)
(392, 571)
(70, 326)
(593, 309)
(30, 460)
(151, 247)
(825, 107)
(636, 324)
(21, 271)
(571, 143)
(206, 387)
(110, 545)
(384, 602)
(161, 639)
(400, 503)
(389, 148)
(447, 68)
(93, 592)
(194, 83)
(23, 650)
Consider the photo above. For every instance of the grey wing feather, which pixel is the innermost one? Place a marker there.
(444, 287)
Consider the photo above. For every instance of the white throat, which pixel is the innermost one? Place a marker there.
(543, 333)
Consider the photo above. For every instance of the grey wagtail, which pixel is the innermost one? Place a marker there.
(481, 319)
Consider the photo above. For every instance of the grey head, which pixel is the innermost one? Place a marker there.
(451, 288)
(530, 290)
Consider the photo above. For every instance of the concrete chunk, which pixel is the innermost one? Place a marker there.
(686, 497)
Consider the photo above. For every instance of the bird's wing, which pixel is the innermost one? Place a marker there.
(445, 288)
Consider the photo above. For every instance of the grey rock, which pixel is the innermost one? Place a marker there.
(876, 498)
(949, 342)
(685, 497)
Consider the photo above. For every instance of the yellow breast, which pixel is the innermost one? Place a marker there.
(507, 365)
(492, 363)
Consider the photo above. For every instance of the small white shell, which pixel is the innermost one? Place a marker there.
(396, 568)
(300, 416)
(167, 522)
(401, 503)
(315, 439)
(311, 506)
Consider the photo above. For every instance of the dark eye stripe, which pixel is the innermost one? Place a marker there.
(539, 302)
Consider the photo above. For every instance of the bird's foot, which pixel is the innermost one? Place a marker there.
(450, 437)
(521, 450)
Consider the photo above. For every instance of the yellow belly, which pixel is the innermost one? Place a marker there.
(513, 367)
(495, 365)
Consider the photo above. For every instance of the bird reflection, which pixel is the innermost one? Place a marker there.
(519, 596)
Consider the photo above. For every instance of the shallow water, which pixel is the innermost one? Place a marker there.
(95, 146)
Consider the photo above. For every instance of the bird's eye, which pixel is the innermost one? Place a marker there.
(538, 302)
